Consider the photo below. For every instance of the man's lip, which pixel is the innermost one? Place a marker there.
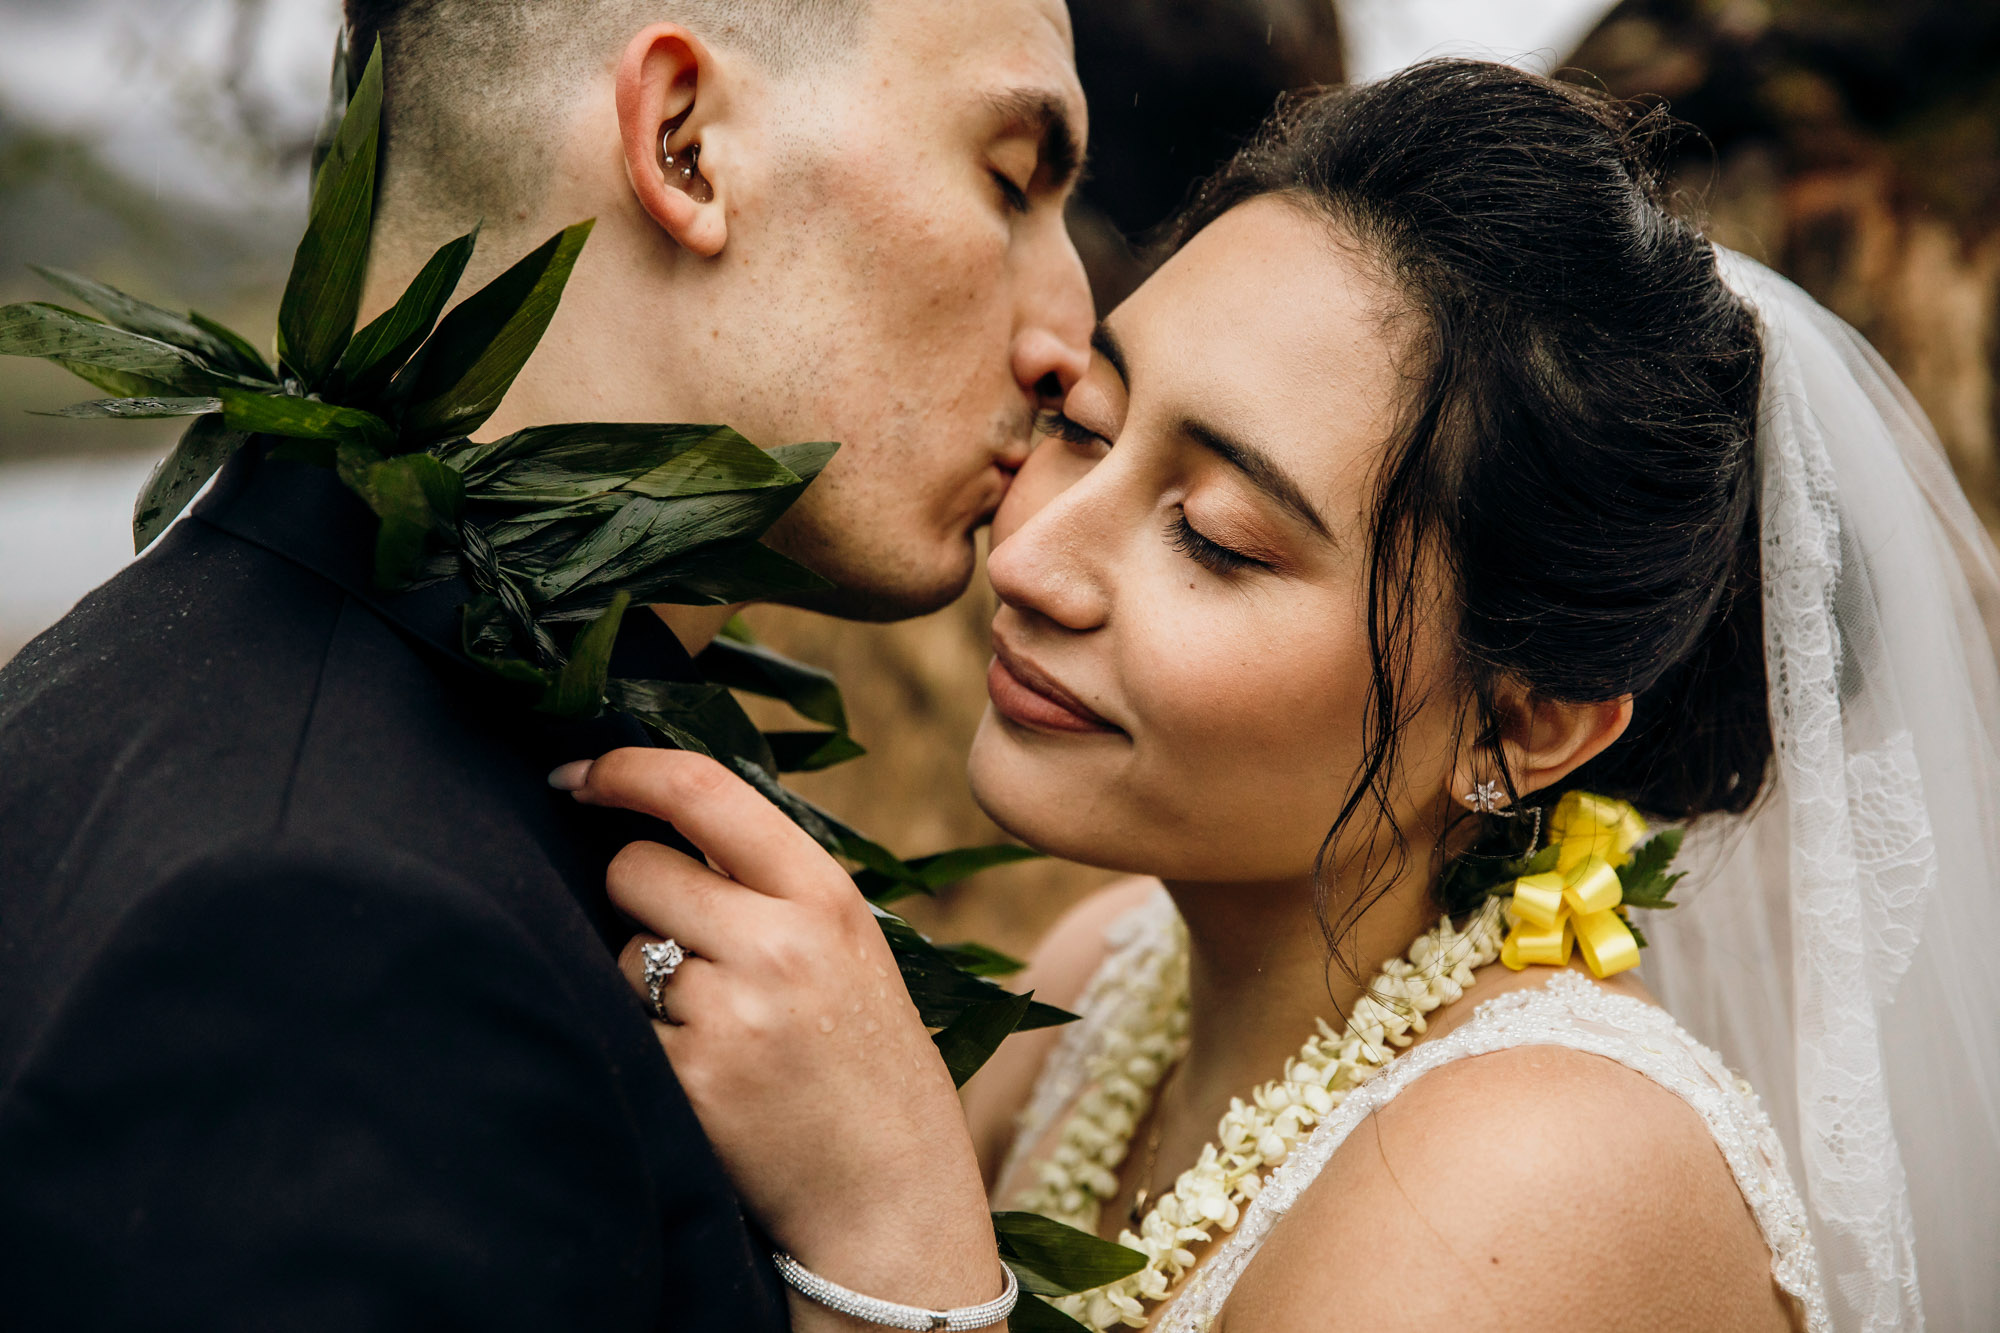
(1024, 693)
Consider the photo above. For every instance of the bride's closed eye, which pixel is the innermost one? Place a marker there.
(1204, 550)
(1210, 554)
(1057, 425)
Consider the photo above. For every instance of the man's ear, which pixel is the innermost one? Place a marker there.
(1542, 740)
(669, 92)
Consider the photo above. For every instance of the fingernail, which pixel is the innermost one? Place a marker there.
(571, 776)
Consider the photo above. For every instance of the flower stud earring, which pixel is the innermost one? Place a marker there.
(1485, 798)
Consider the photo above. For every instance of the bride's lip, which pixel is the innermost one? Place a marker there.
(1024, 693)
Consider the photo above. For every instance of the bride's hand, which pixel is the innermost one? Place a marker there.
(791, 1031)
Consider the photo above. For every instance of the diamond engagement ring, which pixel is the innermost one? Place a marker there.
(662, 961)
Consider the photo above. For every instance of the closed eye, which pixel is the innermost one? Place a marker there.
(1206, 552)
(1057, 425)
(1015, 198)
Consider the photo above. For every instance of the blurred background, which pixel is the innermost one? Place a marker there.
(160, 145)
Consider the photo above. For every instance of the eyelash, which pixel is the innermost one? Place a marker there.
(1051, 421)
(1013, 195)
(1209, 554)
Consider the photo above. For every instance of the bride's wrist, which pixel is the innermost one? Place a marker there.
(918, 1256)
(847, 1305)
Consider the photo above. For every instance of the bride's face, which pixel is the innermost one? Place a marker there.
(1181, 653)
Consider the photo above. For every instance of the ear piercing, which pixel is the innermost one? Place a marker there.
(678, 165)
(1486, 798)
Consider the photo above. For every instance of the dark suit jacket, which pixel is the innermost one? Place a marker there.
(309, 1017)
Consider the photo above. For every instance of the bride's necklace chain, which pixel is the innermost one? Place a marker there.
(1145, 1035)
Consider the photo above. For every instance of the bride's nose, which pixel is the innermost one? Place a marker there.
(1057, 563)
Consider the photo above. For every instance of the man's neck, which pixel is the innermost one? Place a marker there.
(570, 378)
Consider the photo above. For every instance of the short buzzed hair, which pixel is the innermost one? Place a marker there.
(472, 87)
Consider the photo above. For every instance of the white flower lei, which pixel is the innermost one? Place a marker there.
(1146, 1033)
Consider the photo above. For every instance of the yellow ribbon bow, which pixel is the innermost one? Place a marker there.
(1577, 901)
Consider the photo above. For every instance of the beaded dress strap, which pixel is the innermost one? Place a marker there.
(1572, 1012)
(1143, 932)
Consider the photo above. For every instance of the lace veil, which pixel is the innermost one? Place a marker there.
(1839, 944)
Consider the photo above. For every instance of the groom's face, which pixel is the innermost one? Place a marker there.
(909, 288)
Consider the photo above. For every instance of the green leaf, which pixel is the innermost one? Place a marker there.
(928, 874)
(117, 383)
(981, 960)
(136, 408)
(204, 446)
(720, 461)
(823, 828)
(34, 328)
(811, 751)
(380, 349)
(736, 630)
(805, 459)
(1035, 1315)
(941, 989)
(316, 313)
(974, 1035)
(727, 572)
(190, 333)
(460, 375)
(705, 712)
(556, 465)
(248, 361)
(414, 495)
(578, 691)
(1644, 878)
(302, 418)
(836, 836)
(948, 868)
(809, 691)
(1060, 1258)
(645, 534)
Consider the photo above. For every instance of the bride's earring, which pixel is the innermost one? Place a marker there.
(1486, 798)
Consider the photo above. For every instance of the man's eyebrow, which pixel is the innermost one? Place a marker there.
(1045, 117)
(1263, 473)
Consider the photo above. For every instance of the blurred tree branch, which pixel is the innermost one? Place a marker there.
(1856, 147)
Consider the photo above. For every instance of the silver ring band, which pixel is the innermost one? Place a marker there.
(887, 1313)
(662, 961)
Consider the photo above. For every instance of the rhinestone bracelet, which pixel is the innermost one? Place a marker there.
(887, 1313)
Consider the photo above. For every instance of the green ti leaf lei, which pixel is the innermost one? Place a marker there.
(559, 529)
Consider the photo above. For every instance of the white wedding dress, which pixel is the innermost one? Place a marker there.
(1569, 1011)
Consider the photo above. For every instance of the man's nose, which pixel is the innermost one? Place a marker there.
(1052, 347)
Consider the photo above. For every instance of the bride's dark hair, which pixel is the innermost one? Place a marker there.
(1577, 457)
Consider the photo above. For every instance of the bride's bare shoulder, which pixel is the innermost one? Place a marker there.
(1057, 973)
(1532, 1188)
